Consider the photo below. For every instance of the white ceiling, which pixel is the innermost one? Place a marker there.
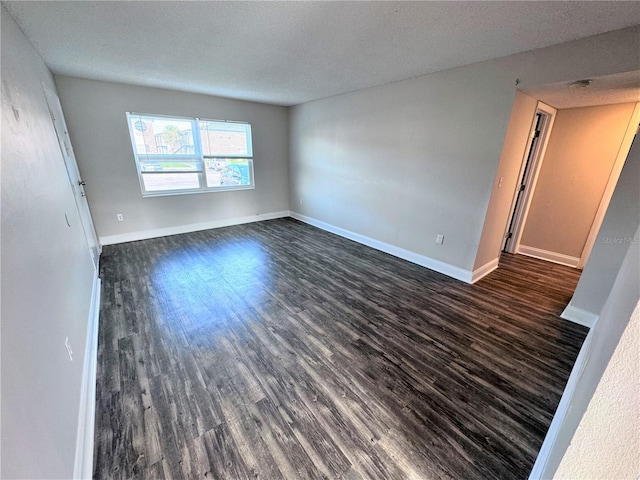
(292, 52)
(618, 88)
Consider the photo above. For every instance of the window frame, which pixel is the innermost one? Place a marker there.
(198, 157)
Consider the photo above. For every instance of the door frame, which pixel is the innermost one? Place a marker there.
(73, 174)
(528, 175)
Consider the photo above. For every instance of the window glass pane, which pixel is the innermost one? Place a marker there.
(172, 154)
(169, 166)
(228, 172)
(154, 182)
(222, 138)
(160, 135)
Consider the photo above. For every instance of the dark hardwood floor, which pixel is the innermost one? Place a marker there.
(276, 350)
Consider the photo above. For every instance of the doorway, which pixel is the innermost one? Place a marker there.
(566, 179)
(538, 139)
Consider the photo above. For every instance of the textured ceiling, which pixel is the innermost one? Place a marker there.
(292, 52)
(618, 88)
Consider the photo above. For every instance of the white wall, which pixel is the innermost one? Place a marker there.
(606, 443)
(47, 276)
(402, 162)
(95, 113)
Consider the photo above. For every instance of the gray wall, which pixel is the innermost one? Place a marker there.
(95, 113)
(402, 162)
(612, 277)
(47, 276)
(509, 171)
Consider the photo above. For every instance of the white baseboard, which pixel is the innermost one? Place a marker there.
(541, 465)
(578, 315)
(549, 256)
(193, 227)
(422, 260)
(83, 465)
(484, 270)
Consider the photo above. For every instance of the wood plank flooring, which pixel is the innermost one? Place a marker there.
(275, 350)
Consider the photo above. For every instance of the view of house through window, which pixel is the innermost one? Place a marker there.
(190, 155)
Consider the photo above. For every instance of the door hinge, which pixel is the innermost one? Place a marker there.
(509, 235)
(522, 187)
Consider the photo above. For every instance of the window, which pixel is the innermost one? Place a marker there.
(190, 155)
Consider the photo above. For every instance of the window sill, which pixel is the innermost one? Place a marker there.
(170, 193)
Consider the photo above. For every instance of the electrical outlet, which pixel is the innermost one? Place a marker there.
(439, 239)
(301, 201)
(500, 182)
(69, 351)
(120, 217)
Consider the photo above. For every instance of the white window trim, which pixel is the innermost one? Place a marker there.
(198, 157)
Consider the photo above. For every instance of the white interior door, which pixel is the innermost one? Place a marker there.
(77, 185)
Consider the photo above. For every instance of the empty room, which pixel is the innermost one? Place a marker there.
(299, 240)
